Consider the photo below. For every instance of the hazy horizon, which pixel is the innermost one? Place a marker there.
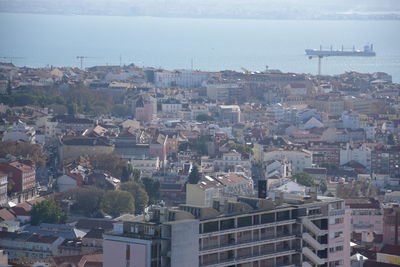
(258, 9)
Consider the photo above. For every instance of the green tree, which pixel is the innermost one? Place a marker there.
(86, 200)
(47, 211)
(108, 162)
(303, 179)
(199, 145)
(323, 187)
(138, 193)
(152, 188)
(117, 202)
(391, 140)
(22, 149)
(136, 174)
(194, 176)
(58, 109)
(120, 110)
(72, 108)
(127, 171)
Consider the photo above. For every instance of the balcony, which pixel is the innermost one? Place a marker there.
(359, 225)
(254, 257)
(313, 242)
(307, 223)
(251, 227)
(238, 244)
(306, 264)
(312, 256)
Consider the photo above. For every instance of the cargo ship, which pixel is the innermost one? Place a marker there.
(367, 52)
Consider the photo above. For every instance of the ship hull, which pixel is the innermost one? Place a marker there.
(314, 52)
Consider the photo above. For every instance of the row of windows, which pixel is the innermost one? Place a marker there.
(245, 221)
(336, 249)
(336, 263)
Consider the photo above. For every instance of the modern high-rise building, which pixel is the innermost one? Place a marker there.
(290, 231)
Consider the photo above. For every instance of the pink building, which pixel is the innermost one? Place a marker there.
(144, 108)
(366, 219)
(338, 235)
(145, 113)
(158, 147)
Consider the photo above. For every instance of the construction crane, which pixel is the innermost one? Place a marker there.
(81, 58)
(11, 58)
(319, 62)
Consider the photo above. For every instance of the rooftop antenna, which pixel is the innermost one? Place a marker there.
(120, 60)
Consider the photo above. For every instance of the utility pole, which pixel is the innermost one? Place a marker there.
(81, 58)
(11, 58)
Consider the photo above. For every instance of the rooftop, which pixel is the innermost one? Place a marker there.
(391, 249)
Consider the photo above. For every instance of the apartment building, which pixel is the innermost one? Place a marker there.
(299, 159)
(247, 231)
(325, 152)
(182, 78)
(22, 175)
(3, 188)
(360, 153)
(386, 160)
(230, 113)
(22, 244)
(366, 217)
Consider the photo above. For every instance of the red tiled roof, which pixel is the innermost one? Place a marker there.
(20, 211)
(6, 215)
(76, 176)
(231, 178)
(25, 205)
(21, 166)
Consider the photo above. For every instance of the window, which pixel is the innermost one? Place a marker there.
(338, 234)
(339, 248)
(339, 220)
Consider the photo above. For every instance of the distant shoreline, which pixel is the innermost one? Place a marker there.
(383, 17)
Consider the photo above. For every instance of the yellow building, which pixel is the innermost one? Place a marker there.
(389, 254)
(329, 106)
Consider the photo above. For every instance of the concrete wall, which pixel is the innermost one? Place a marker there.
(185, 243)
(114, 252)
